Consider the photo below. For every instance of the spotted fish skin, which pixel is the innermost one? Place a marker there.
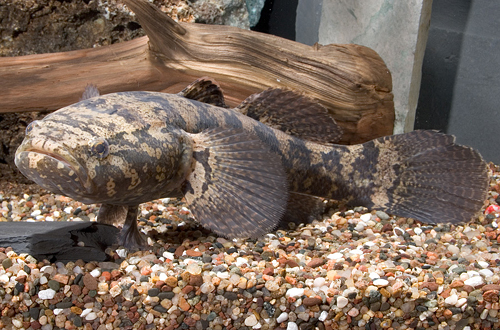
(126, 148)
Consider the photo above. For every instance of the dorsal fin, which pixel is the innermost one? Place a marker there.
(204, 90)
(90, 92)
(292, 113)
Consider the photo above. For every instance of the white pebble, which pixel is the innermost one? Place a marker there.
(251, 321)
(207, 287)
(282, 317)
(342, 301)
(17, 323)
(366, 217)
(483, 264)
(36, 213)
(56, 214)
(193, 269)
(486, 272)
(46, 294)
(380, 282)
(319, 282)
(122, 253)
(474, 281)
(240, 261)
(335, 256)
(294, 292)
(461, 302)
(168, 255)
(4, 279)
(68, 210)
(453, 249)
(96, 272)
(91, 316)
(292, 326)
(417, 231)
(451, 300)
(360, 227)
(323, 316)
(374, 275)
(223, 275)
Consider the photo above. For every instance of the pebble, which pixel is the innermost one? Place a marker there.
(342, 301)
(46, 294)
(380, 282)
(251, 320)
(474, 281)
(282, 317)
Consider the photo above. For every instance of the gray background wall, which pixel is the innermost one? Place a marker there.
(460, 90)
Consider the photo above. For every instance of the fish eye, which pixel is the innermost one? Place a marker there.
(99, 147)
(30, 127)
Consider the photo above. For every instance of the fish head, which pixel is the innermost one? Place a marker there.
(101, 151)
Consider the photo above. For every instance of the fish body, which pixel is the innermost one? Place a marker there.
(238, 174)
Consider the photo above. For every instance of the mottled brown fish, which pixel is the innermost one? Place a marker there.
(241, 170)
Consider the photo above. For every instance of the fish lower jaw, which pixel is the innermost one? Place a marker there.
(54, 172)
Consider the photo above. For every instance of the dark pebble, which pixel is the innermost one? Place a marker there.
(166, 295)
(206, 258)
(64, 304)
(153, 292)
(230, 295)
(144, 278)
(266, 255)
(19, 287)
(270, 309)
(459, 270)
(374, 296)
(375, 306)
(385, 306)
(421, 308)
(352, 295)
(54, 285)
(34, 312)
(77, 321)
(7, 263)
(211, 316)
(160, 308)
(79, 279)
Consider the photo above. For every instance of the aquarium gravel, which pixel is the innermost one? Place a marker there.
(355, 269)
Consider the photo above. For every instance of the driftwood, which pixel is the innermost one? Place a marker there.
(352, 81)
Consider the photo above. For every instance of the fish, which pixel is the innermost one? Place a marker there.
(242, 170)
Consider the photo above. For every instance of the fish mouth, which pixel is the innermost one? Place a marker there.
(57, 171)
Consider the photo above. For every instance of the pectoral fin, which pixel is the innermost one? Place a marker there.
(130, 236)
(237, 187)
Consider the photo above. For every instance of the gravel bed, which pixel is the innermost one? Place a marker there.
(355, 269)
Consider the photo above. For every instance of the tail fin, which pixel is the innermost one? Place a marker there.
(426, 176)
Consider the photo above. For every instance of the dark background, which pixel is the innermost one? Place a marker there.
(460, 89)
